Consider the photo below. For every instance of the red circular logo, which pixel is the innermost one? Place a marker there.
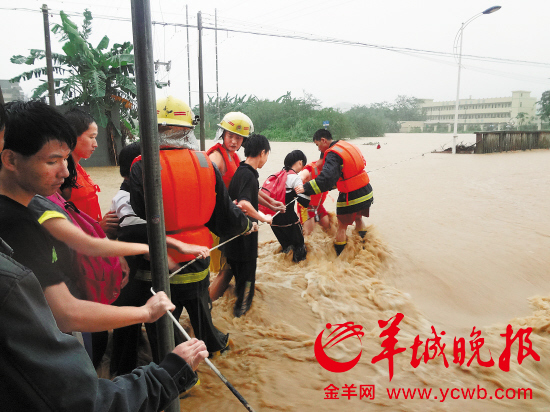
(342, 332)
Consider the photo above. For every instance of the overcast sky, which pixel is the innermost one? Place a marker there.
(336, 74)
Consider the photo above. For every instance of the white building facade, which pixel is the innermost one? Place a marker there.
(481, 114)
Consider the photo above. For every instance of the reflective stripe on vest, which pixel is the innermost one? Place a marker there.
(354, 201)
(179, 279)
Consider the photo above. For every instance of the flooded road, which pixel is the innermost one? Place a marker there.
(454, 242)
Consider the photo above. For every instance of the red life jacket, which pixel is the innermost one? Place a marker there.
(319, 199)
(188, 195)
(275, 187)
(85, 196)
(100, 277)
(231, 162)
(354, 175)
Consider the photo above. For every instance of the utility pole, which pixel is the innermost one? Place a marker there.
(201, 88)
(216, 41)
(147, 110)
(188, 60)
(49, 65)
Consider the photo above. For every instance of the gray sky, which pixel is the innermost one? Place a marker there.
(268, 67)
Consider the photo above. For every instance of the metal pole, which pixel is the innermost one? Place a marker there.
(145, 81)
(458, 90)
(188, 60)
(49, 65)
(201, 88)
(216, 41)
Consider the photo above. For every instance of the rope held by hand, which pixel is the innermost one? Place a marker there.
(210, 364)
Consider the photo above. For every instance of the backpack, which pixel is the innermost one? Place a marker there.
(100, 276)
(275, 187)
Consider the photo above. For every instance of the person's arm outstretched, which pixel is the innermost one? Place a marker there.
(72, 314)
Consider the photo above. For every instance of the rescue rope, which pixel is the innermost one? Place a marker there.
(210, 364)
(392, 164)
(406, 160)
(221, 244)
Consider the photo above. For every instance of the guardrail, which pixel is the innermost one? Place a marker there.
(506, 141)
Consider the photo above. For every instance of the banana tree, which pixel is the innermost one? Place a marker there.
(97, 77)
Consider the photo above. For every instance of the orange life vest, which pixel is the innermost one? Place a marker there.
(231, 162)
(85, 196)
(188, 195)
(354, 175)
(319, 199)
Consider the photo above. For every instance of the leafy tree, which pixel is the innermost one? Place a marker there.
(408, 108)
(544, 106)
(95, 77)
(521, 117)
(286, 118)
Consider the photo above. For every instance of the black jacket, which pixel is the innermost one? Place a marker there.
(43, 369)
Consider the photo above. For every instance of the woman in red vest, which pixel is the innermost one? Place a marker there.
(85, 196)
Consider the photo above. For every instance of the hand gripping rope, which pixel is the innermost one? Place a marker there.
(221, 244)
(210, 364)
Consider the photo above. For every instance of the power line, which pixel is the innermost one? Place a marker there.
(314, 38)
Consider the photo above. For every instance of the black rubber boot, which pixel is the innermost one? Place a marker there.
(339, 248)
(242, 305)
(300, 254)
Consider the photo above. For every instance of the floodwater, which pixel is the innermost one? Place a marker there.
(453, 242)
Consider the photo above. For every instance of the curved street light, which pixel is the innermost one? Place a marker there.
(458, 38)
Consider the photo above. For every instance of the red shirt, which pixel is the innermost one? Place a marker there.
(85, 196)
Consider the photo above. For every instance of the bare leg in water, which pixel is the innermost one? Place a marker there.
(221, 283)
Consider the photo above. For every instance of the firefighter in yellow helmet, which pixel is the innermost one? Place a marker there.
(233, 131)
(195, 202)
(176, 124)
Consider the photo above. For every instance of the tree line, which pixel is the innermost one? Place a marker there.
(291, 118)
(103, 79)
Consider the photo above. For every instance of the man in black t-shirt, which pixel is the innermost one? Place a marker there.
(41, 367)
(242, 252)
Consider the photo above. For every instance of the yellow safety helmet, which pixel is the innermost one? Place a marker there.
(238, 123)
(174, 112)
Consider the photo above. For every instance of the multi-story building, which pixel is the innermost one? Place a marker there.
(11, 91)
(480, 114)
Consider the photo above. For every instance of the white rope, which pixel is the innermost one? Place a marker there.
(221, 244)
(210, 364)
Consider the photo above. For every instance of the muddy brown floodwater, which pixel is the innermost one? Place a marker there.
(454, 242)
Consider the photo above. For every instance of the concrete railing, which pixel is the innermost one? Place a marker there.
(505, 141)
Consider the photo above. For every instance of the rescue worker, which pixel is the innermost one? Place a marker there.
(315, 212)
(195, 203)
(344, 166)
(233, 131)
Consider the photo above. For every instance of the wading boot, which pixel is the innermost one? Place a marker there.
(339, 247)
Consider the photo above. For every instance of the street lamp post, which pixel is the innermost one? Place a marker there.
(458, 38)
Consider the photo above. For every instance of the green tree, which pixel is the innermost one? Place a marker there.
(544, 106)
(408, 108)
(521, 117)
(95, 77)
